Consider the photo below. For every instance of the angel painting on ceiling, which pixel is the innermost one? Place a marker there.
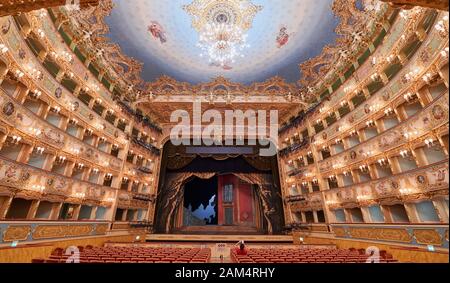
(283, 37)
(157, 31)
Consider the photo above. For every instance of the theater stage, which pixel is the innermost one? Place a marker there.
(171, 238)
(218, 230)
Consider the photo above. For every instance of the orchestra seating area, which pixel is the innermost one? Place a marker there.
(132, 255)
(315, 255)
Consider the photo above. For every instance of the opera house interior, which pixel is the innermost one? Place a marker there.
(224, 131)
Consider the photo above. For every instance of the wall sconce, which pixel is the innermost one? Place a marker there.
(56, 109)
(109, 176)
(445, 52)
(364, 197)
(364, 168)
(404, 153)
(427, 77)
(406, 191)
(89, 132)
(95, 170)
(80, 166)
(409, 97)
(346, 173)
(61, 159)
(383, 162)
(125, 179)
(353, 133)
(374, 77)
(390, 58)
(370, 123)
(410, 76)
(35, 94)
(332, 178)
(3, 48)
(41, 33)
(19, 74)
(429, 142)
(403, 14)
(79, 195)
(38, 188)
(73, 121)
(388, 111)
(35, 73)
(310, 154)
(318, 122)
(67, 56)
(40, 150)
(16, 139)
(35, 131)
(441, 27)
(410, 135)
(344, 103)
(315, 181)
(368, 153)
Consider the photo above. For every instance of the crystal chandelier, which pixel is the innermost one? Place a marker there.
(222, 43)
(222, 26)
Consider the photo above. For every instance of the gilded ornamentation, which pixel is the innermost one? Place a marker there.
(16, 233)
(427, 237)
(222, 11)
(8, 108)
(101, 229)
(339, 232)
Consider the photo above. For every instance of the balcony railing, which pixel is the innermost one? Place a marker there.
(151, 148)
(294, 148)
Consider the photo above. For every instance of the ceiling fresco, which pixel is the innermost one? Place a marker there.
(280, 34)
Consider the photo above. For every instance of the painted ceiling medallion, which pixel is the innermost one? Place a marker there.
(222, 26)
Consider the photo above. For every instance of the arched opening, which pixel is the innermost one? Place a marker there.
(218, 190)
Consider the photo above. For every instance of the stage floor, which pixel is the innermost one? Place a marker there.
(282, 239)
(218, 230)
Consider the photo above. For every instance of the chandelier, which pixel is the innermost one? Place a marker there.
(222, 43)
(222, 26)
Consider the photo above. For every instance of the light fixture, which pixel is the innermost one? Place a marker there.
(40, 150)
(16, 139)
(35, 94)
(19, 74)
(409, 96)
(404, 153)
(222, 27)
(3, 48)
(382, 162)
(406, 191)
(427, 77)
(56, 109)
(388, 111)
(38, 188)
(61, 159)
(445, 52)
(429, 142)
(364, 168)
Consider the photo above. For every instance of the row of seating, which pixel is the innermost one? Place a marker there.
(131, 255)
(309, 256)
